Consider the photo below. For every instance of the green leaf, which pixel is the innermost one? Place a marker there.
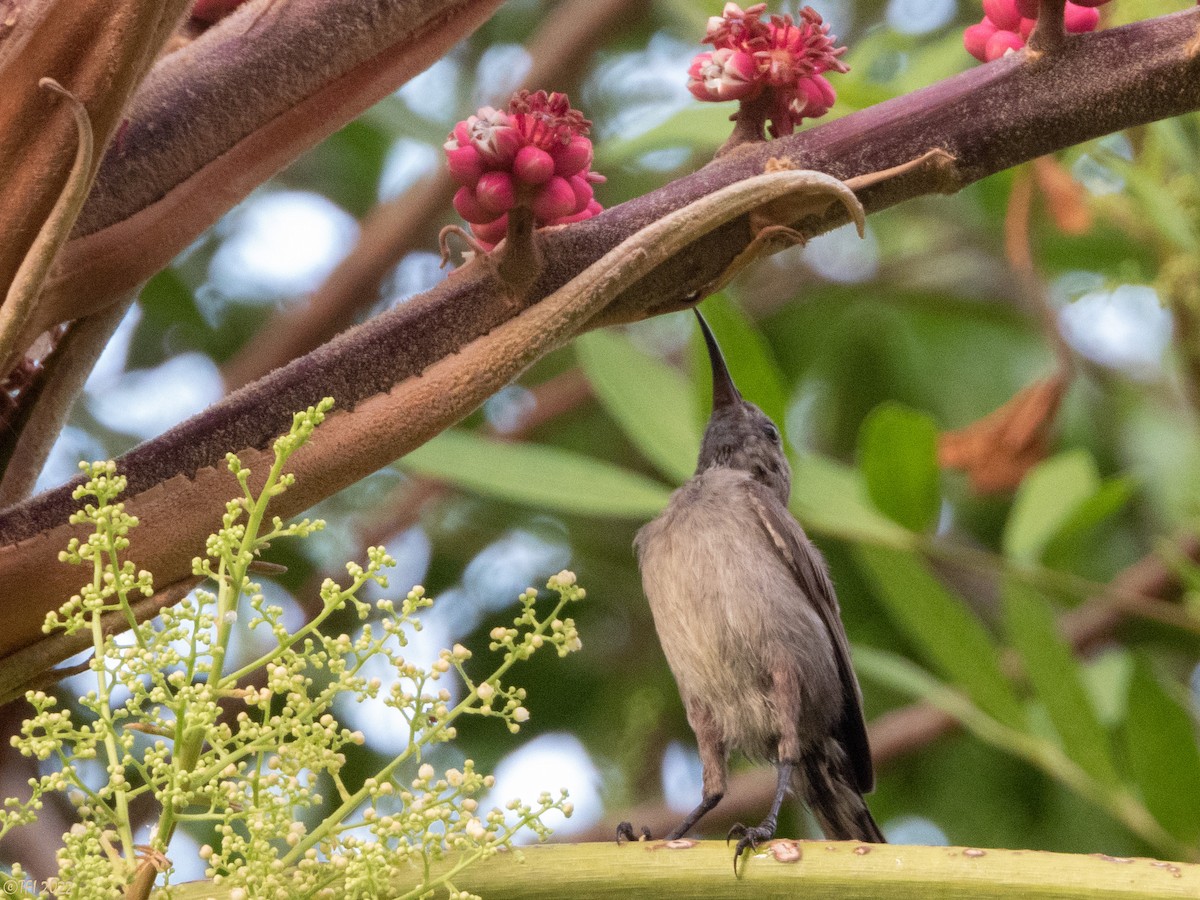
(830, 497)
(1160, 203)
(897, 453)
(1106, 679)
(1056, 678)
(953, 641)
(754, 368)
(1161, 745)
(539, 476)
(1109, 500)
(652, 402)
(1046, 501)
(904, 676)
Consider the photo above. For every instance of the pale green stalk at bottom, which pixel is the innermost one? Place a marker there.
(826, 870)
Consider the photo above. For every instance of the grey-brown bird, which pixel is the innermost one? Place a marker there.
(749, 623)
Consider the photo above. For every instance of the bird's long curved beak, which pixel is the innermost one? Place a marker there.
(725, 392)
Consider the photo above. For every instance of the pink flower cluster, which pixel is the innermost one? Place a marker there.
(781, 56)
(1007, 25)
(534, 155)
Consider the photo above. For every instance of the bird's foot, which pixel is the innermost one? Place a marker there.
(749, 838)
(625, 832)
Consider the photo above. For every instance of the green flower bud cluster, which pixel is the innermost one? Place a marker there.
(244, 750)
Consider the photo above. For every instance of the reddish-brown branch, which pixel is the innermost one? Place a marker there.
(215, 119)
(1102, 82)
(552, 398)
(987, 119)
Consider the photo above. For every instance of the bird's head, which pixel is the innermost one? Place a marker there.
(739, 434)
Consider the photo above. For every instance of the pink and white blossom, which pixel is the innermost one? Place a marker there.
(781, 56)
(534, 154)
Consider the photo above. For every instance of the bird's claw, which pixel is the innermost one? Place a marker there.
(748, 838)
(625, 832)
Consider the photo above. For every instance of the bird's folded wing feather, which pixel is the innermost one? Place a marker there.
(808, 568)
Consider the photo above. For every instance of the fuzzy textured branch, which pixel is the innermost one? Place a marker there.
(987, 119)
(98, 50)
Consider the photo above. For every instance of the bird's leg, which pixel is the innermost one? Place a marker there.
(764, 830)
(625, 832)
(706, 805)
(787, 701)
(713, 761)
(714, 764)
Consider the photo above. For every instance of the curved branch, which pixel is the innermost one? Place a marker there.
(99, 50)
(988, 118)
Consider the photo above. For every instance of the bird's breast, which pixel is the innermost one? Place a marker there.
(727, 607)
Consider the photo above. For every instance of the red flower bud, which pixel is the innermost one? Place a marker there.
(582, 190)
(1079, 19)
(534, 165)
(491, 233)
(572, 157)
(535, 154)
(1004, 13)
(554, 200)
(470, 209)
(1000, 43)
(726, 74)
(975, 38)
(814, 97)
(495, 192)
(465, 164)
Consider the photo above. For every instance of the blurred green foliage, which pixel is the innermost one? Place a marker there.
(863, 352)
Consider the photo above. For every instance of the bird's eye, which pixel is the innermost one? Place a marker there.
(770, 432)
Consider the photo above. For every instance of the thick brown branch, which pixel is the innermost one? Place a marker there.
(988, 119)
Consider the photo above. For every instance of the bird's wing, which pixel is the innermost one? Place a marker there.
(808, 568)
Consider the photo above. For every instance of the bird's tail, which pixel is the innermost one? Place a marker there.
(825, 781)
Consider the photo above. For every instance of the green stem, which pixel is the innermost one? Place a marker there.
(229, 591)
(330, 608)
(351, 803)
(124, 827)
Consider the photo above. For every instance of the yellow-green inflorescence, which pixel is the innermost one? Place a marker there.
(244, 750)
